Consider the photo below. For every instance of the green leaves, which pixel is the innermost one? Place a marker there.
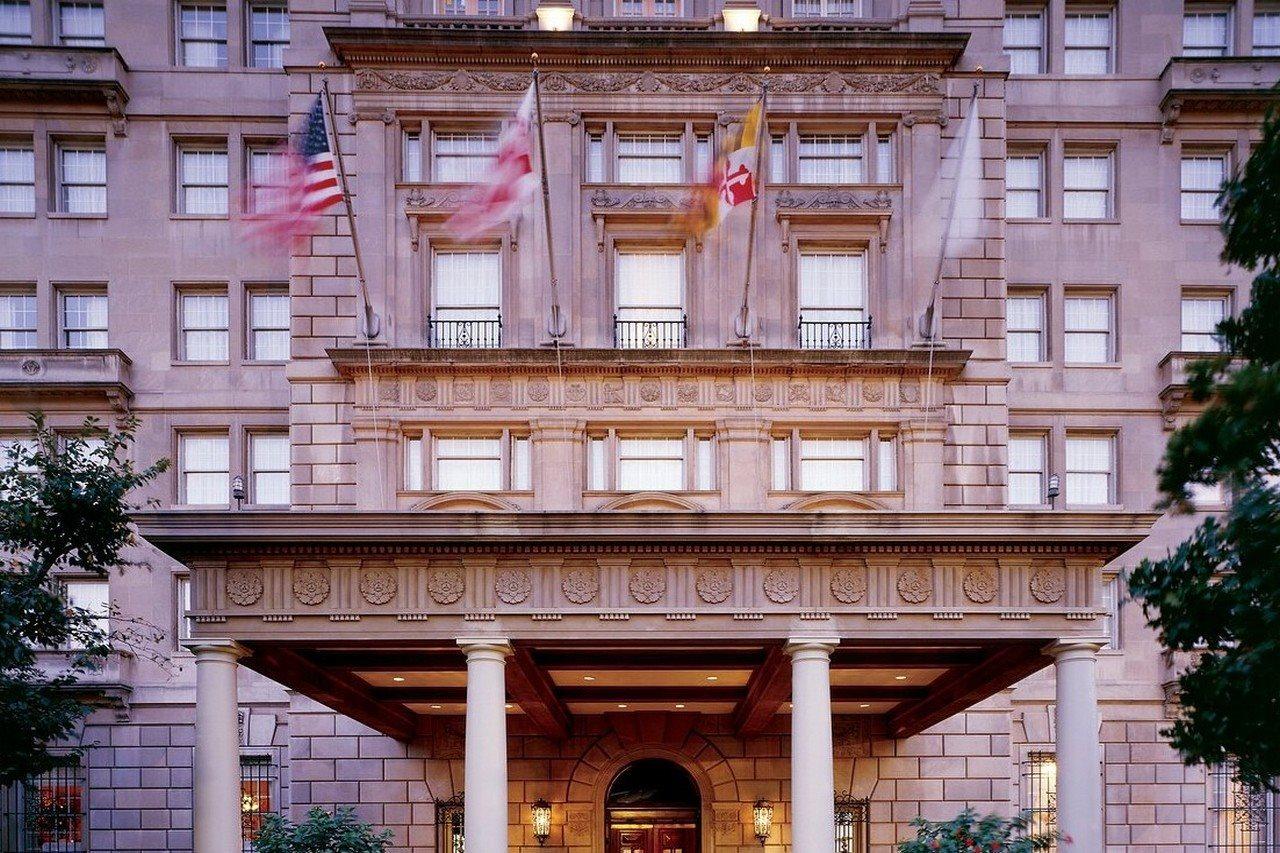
(967, 833)
(321, 832)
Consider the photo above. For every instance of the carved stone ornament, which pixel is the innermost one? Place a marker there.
(1048, 584)
(834, 392)
(613, 392)
(578, 822)
(715, 585)
(909, 392)
(638, 200)
(848, 584)
(31, 367)
(650, 392)
(500, 391)
(464, 391)
(724, 392)
(446, 585)
(915, 585)
(980, 585)
(833, 200)
(687, 392)
(782, 585)
(388, 391)
(425, 390)
(512, 586)
(851, 737)
(580, 586)
(244, 586)
(576, 393)
(763, 392)
(378, 586)
(647, 584)
(420, 200)
(727, 824)
(873, 392)
(539, 390)
(311, 585)
(798, 393)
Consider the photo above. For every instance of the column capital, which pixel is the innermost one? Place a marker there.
(481, 648)
(216, 649)
(809, 647)
(1075, 649)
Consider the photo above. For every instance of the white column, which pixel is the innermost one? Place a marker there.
(485, 765)
(1079, 751)
(813, 789)
(216, 770)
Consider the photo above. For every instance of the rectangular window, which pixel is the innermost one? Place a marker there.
(1112, 599)
(256, 772)
(781, 463)
(268, 35)
(81, 25)
(650, 158)
(1266, 33)
(83, 320)
(1026, 470)
(203, 326)
(830, 159)
(1090, 470)
(826, 8)
(202, 36)
(413, 463)
(598, 472)
(92, 596)
(833, 300)
(202, 180)
(833, 464)
(468, 464)
(47, 812)
(1205, 33)
(648, 8)
(17, 177)
(706, 461)
(650, 310)
(412, 157)
(1087, 330)
(1040, 792)
(1241, 818)
(463, 157)
(778, 159)
(887, 459)
(15, 22)
(450, 823)
(182, 596)
(1024, 186)
(82, 178)
(702, 158)
(1024, 323)
(1088, 43)
(521, 463)
(18, 320)
(205, 468)
(269, 468)
(268, 326)
(1200, 318)
(595, 158)
(1024, 41)
(481, 8)
(1202, 177)
(650, 464)
(268, 177)
(468, 299)
(884, 160)
(1086, 186)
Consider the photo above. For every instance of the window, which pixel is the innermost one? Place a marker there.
(15, 22)
(1200, 318)
(463, 158)
(182, 598)
(413, 463)
(268, 35)
(830, 159)
(1205, 34)
(778, 159)
(1024, 186)
(1206, 495)
(82, 178)
(650, 464)
(256, 772)
(1202, 177)
(17, 177)
(267, 177)
(1087, 325)
(268, 326)
(650, 158)
(1024, 313)
(1112, 601)
(826, 8)
(1086, 185)
(81, 25)
(202, 180)
(84, 320)
(1087, 43)
(648, 8)
(1024, 41)
(702, 157)
(449, 822)
(468, 298)
(884, 160)
(412, 157)
(650, 310)
(1266, 32)
(46, 812)
(473, 463)
(204, 326)
(1089, 470)
(832, 300)
(470, 7)
(18, 320)
(1242, 819)
(202, 36)
(595, 157)
(1026, 470)
(833, 465)
(93, 597)
(269, 468)
(205, 469)
(1040, 792)
(853, 824)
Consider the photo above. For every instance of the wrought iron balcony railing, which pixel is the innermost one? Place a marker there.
(465, 334)
(846, 334)
(650, 334)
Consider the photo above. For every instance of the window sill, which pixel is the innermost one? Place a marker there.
(62, 214)
(253, 362)
(1030, 220)
(13, 214)
(1041, 365)
(205, 507)
(211, 217)
(1107, 221)
(1108, 507)
(1214, 222)
(1086, 365)
(1029, 507)
(184, 363)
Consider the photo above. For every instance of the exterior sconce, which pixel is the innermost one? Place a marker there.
(541, 821)
(741, 16)
(237, 490)
(1054, 488)
(555, 15)
(762, 817)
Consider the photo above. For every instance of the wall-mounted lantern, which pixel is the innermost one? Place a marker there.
(555, 15)
(741, 16)
(541, 812)
(762, 818)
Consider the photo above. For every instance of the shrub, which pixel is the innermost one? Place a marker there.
(969, 833)
(321, 832)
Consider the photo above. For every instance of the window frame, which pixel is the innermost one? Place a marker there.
(17, 37)
(1083, 11)
(856, 157)
(1112, 474)
(65, 330)
(1196, 295)
(824, 14)
(78, 40)
(251, 293)
(251, 43)
(1261, 13)
(181, 39)
(1038, 153)
(183, 435)
(651, 135)
(1082, 151)
(252, 149)
(472, 9)
(79, 144)
(1201, 10)
(28, 292)
(184, 290)
(881, 456)
(1032, 801)
(183, 147)
(622, 312)
(251, 464)
(421, 456)
(699, 448)
(480, 161)
(1040, 48)
(1040, 437)
(21, 145)
(1192, 153)
(1113, 345)
(649, 9)
(1040, 295)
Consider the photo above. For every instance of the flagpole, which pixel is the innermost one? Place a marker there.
(372, 325)
(742, 327)
(556, 327)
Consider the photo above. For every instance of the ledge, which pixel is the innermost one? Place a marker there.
(60, 372)
(39, 74)
(1225, 83)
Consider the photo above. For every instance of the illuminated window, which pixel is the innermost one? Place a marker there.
(1242, 819)
(45, 813)
(256, 772)
(1040, 792)
(449, 825)
(853, 824)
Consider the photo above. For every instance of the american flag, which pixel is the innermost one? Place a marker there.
(290, 208)
(510, 182)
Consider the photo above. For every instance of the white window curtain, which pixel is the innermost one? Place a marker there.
(205, 470)
(83, 180)
(204, 327)
(84, 320)
(413, 462)
(468, 464)
(92, 596)
(81, 24)
(830, 159)
(17, 179)
(1025, 328)
(1087, 322)
(650, 464)
(1202, 177)
(1086, 184)
(833, 286)
(203, 36)
(1266, 33)
(203, 190)
(827, 8)
(1024, 42)
(1200, 319)
(521, 463)
(833, 464)
(266, 175)
(1087, 43)
(17, 320)
(781, 464)
(269, 326)
(468, 298)
(706, 461)
(15, 22)
(597, 453)
(650, 158)
(1089, 470)
(269, 32)
(1024, 186)
(887, 459)
(412, 166)
(650, 285)
(1026, 471)
(463, 157)
(269, 458)
(1204, 34)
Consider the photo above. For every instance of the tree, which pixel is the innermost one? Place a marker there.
(62, 506)
(969, 833)
(321, 832)
(1217, 595)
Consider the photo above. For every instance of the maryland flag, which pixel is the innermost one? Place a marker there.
(733, 180)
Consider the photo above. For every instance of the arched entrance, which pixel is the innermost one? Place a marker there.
(653, 806)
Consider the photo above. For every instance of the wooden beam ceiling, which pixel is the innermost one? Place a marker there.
(769, 687)
(530, 687)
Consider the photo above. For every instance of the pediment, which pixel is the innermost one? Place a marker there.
(834, 502)
(651, 502)
(467, 502)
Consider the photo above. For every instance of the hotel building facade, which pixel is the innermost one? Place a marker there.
(650, 579)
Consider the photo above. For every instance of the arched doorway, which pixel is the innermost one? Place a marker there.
(652, 806)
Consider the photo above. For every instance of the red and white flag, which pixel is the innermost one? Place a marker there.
(510, 183)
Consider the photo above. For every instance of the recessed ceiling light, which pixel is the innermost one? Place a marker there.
(622, 706)
(680, 705)
(713, 678)
(588, 678)
(397, 678)
(510, 706)
(865, 705)
(435, 707)
(899, 678)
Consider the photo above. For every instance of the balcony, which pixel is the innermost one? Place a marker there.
(651, 334)
(841, 334)
(1217, 84)
(464, 334)
(39, 372)
(1175, 400)
(66, 75)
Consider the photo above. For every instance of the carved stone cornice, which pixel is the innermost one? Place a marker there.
(39, 74)
(792, 204)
